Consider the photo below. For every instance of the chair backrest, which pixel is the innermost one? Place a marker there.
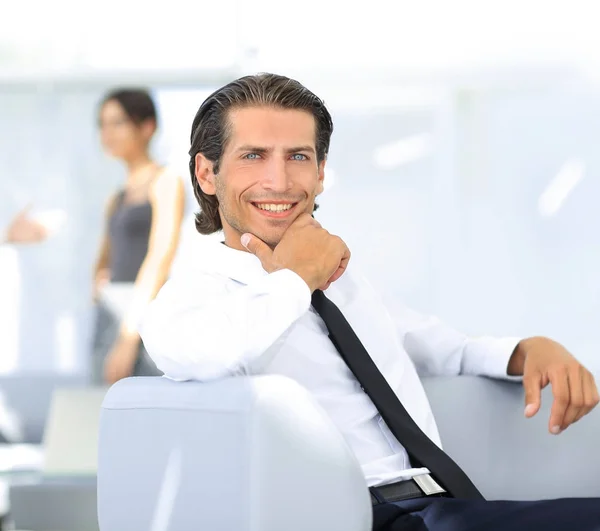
(483, 427)
(246, 453)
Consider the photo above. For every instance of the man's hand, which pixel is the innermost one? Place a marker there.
(542, 361)
(23, 229)
(306, 248)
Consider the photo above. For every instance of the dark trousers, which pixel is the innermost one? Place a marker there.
(448, 514)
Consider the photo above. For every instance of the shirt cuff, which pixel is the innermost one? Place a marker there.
(488, 356)
(292, 283)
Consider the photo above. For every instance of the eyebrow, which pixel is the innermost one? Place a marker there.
(258, 149)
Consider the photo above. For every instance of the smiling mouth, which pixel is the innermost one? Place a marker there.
(275, 210)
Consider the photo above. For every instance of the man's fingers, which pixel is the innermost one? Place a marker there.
(590, 394)
(304, 220)
(576, 401)
(585, 396)
(325, 286)
(562, 398)
(594, 395)
(339, 272)
(533, 392)
(342, 267)
(258, 248)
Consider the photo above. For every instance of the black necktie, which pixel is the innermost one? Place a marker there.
(419, 447)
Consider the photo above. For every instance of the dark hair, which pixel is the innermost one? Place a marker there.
(210, 129)
(137, 104)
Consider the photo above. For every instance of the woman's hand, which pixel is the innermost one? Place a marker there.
(101, 279)
(120, 362)
(25, 229)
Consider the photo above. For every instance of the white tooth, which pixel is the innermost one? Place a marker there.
(272, 207)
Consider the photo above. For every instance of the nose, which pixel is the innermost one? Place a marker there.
(276, 176)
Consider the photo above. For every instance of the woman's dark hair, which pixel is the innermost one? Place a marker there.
(137, 104)
(210, 129)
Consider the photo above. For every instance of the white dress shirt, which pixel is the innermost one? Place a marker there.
(223, 315)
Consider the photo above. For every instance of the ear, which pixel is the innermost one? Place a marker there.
(204, 174)
(321, 174)
(148, 128)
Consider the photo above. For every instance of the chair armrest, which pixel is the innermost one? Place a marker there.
(483, 427)
(243, 453)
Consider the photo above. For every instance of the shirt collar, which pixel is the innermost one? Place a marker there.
(216, 258)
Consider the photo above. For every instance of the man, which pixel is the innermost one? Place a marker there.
(24, 229)
(256, 304)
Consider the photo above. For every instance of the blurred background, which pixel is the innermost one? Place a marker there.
(464, 170)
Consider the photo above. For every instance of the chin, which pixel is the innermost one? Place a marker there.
(113, 153)
(272, 238)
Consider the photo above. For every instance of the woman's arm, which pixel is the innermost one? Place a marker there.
(167, 198)
(101, 267)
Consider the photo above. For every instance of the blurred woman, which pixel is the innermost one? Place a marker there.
(143, 221)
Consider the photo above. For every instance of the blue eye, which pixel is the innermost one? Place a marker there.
(299, 157)
(252, 156)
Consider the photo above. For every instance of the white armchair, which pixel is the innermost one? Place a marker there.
(259, 454)
(255, 454)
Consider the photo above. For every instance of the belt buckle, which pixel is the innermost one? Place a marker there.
(428, 485)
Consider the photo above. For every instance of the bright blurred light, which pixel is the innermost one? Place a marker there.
(70, 35)
(403, 151)
(405, 35)
(559, 189)
(52, 219)
(425, 35)
(169, 488)
(65, 340)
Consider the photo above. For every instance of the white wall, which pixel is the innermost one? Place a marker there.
(461, 232)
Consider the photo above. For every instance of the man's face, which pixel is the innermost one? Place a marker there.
(268, 175)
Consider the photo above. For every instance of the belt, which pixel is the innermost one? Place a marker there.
(417, 487)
